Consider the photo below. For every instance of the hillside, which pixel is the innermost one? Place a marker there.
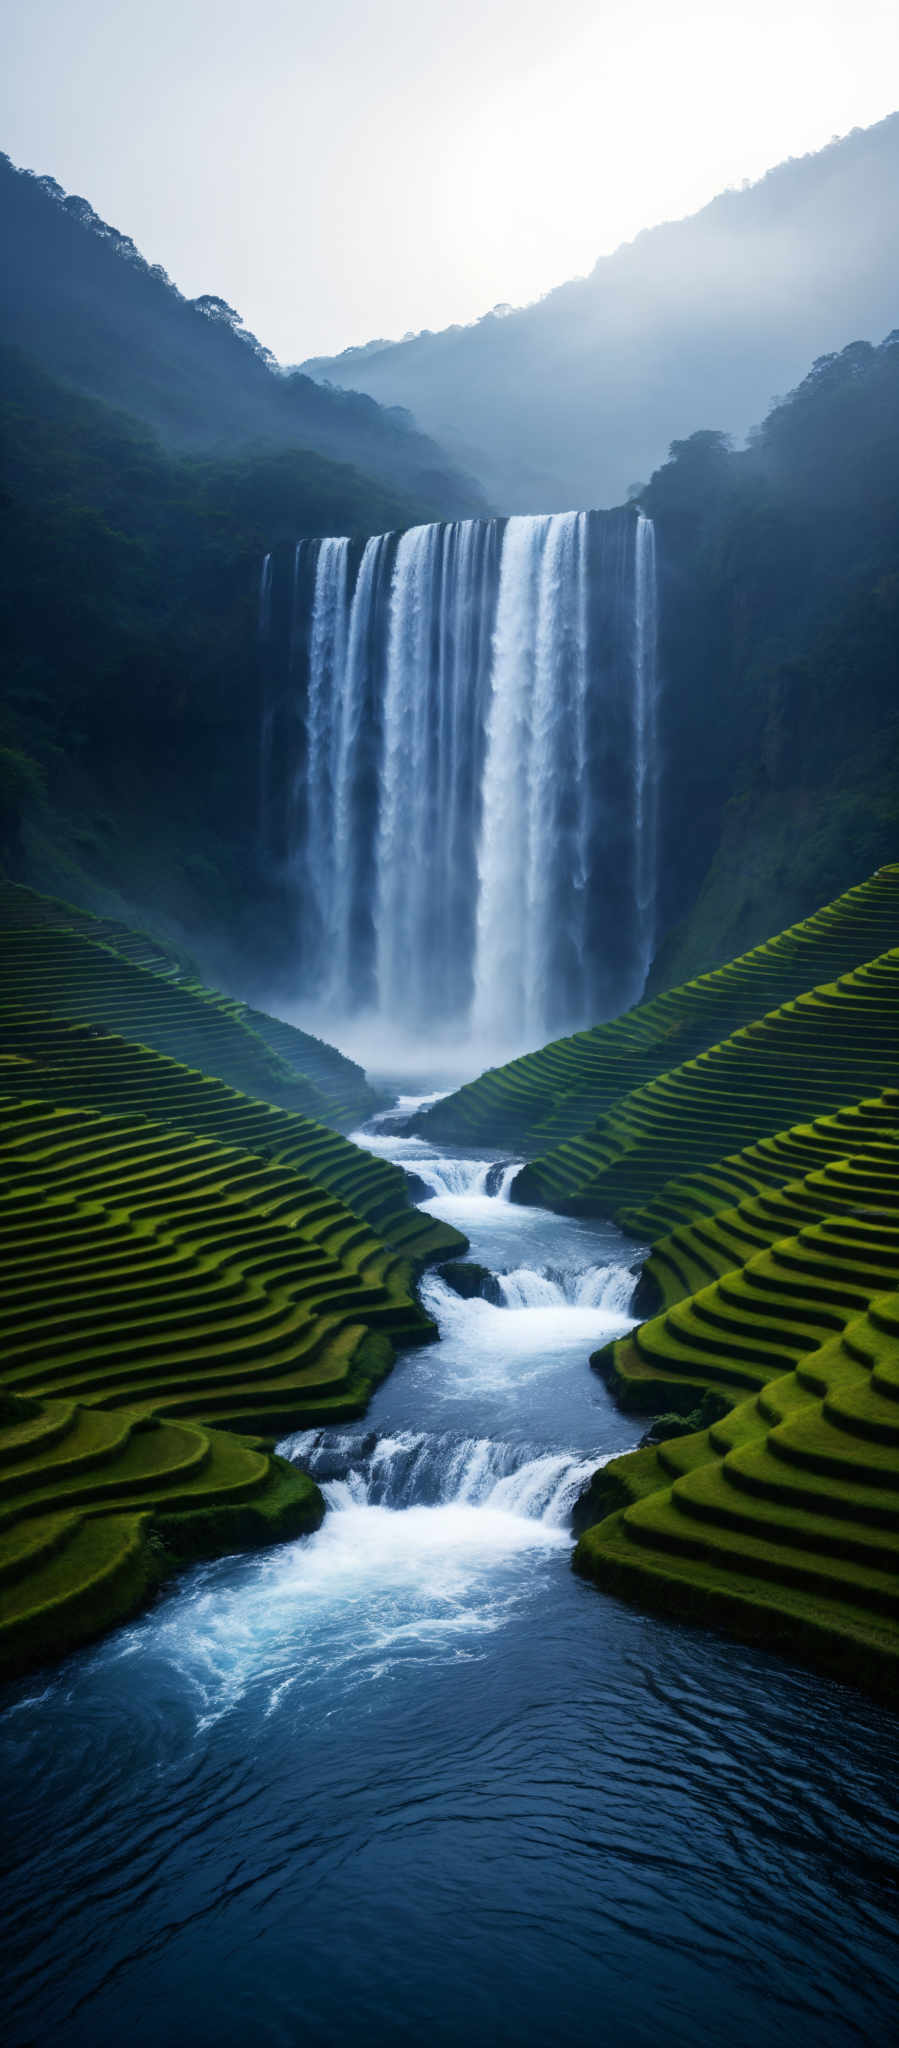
(80, 300)
(81, 967)
(696, 323)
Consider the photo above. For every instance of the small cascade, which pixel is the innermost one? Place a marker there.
(605, 1287)
(412, 1469)
(459, 770)
(489, 1177)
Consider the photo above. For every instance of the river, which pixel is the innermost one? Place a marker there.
(410, 1779)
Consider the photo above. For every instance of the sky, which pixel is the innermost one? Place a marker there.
(339, 171)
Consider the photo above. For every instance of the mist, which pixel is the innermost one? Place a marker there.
(395, 1057)
(697, 324)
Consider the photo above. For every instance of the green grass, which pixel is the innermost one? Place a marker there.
(535, 1103)
(81, 1067)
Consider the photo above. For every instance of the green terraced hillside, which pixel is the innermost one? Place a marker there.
(96, 1508)
(757, 1318)
(781, 1521)
(79, 1065)
(58, 958)
(181, 1259)
(534, 1103)
(835, 1166)
(811, 1057)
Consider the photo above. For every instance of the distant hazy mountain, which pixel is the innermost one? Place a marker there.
(698, 323)
(79, 299)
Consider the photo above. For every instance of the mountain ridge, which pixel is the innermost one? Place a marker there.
(826, 233)
(82, 303)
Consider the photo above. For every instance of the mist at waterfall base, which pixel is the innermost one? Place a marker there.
(412, 1780)
(459, 782)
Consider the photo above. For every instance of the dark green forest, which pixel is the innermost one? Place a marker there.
(779, 571)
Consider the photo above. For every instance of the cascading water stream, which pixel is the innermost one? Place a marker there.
(511, 1336)
(468, 808)
(417, 1726)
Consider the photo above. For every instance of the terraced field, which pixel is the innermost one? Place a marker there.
(80, 1066)
(748, 1128)
(813, 1056)
(837, 1166)
(98, 1507)
(782, 1521)
(77, 965)
(182, 1259)
(535, 1103)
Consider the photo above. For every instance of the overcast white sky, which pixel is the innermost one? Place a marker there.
(341, 170)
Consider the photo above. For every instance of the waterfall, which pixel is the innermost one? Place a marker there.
(646, 770)
(532, 861)
(327, 664)
(461, 766)
(264, 632)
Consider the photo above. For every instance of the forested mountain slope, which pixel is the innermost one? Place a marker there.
(778, 664)
(80, 300)
(696, 323)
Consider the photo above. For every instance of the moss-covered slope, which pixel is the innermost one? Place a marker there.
(534, 1103)
(79, 1065)
(782, 1520)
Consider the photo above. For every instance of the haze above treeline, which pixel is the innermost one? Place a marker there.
(570, 402)
(347, 172)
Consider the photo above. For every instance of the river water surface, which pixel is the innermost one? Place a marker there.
(410, 1780)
